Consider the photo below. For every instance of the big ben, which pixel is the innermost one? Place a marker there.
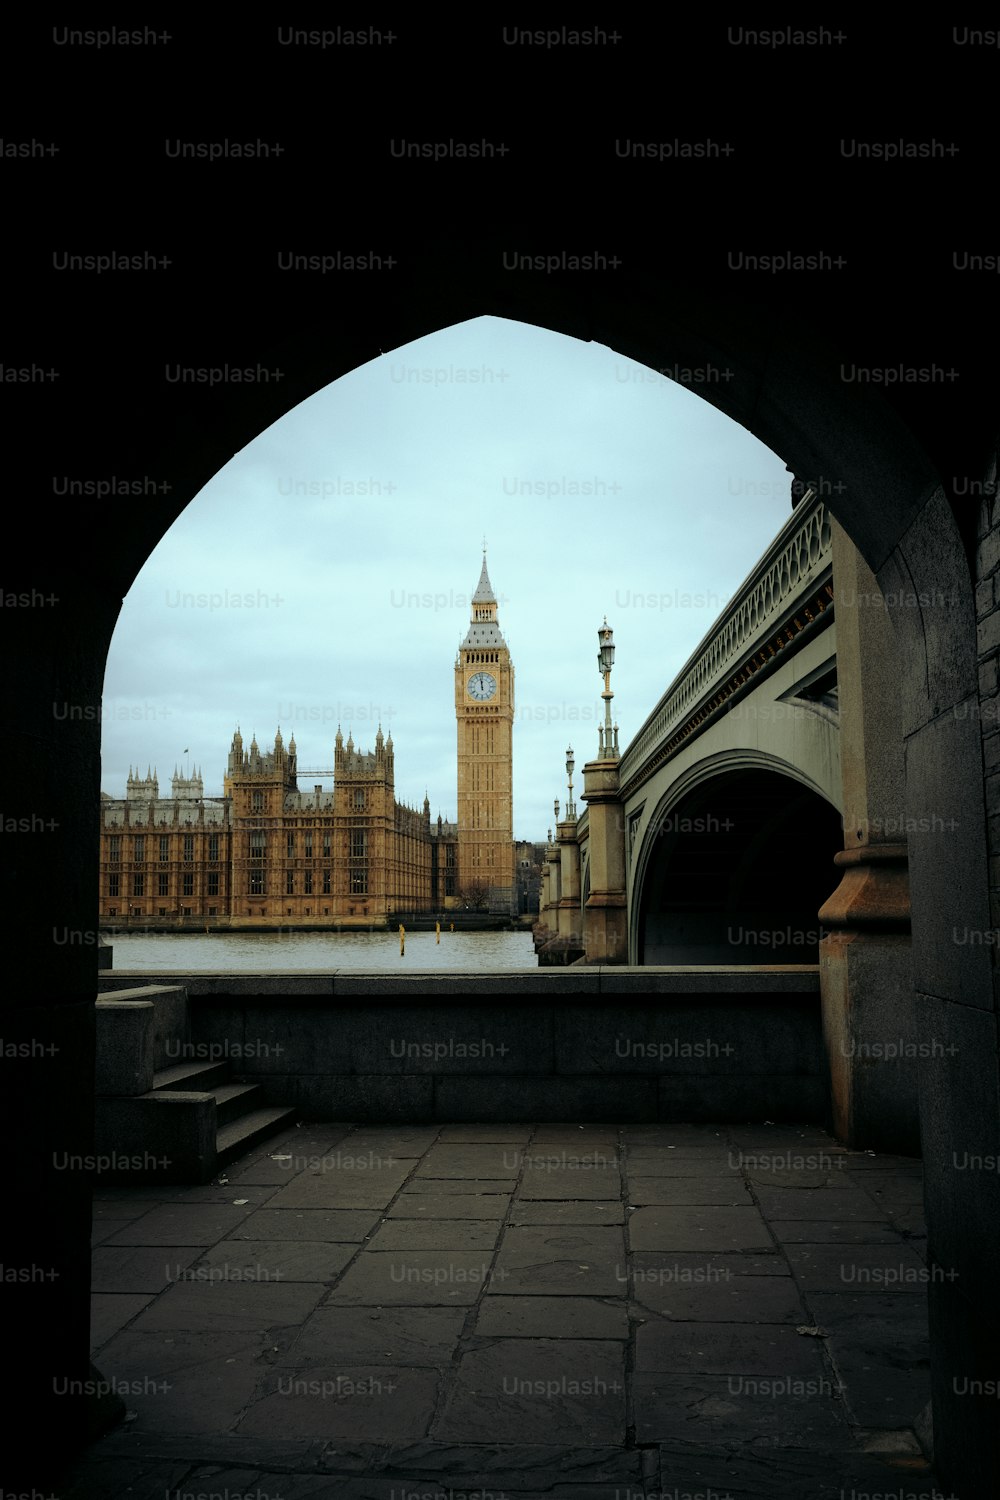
(484, 709)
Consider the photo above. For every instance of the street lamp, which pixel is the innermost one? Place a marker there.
(607, 737)
(556, 806)
(570, 763)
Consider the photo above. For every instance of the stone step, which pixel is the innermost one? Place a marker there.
(236, 1139)
(233, 1100)
(201, 1077)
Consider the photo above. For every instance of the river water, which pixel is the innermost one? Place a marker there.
(251, 952)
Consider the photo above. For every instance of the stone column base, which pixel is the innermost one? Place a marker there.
(869, 1016)
(560, 951)
(605, 932)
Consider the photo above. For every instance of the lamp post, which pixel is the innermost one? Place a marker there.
(570, 763)
(607, 737)
(556, 808)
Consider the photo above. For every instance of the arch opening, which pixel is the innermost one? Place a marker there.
(736, 872)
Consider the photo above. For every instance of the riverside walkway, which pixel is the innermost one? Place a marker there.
(372, 1313)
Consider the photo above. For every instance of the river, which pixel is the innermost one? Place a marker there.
(251, 952)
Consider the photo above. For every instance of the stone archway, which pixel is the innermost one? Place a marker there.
(887, 468)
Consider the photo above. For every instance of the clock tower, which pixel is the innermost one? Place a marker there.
(484, 708)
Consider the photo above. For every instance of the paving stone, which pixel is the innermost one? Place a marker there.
(448, 1206)
(202, 1391)
(570, 1182)
(436, 1234)
(401, 1336)
(727, 1349)
(501, 1469)
(705, 1229)
(109, 1312)
(689, 1190)
(401, 1141)
(460, 1186)
(322, 1224)
(219, 1449)
(743, 1299)
(880, 1346)
(856, 1268)
(351, 1401)
(538, 1391)
(792, 1165)
(571, 1259)
(871, 1161)
(511, 1135)
(428, 1278)
(276, 1173)
(239, 1306)
(97, 1478)
(344, 1187)
(826, 1232)
(898, 1190)
(178, 1224)
(136, 1352)
(830, 1176)
(739, 1409)
(256, 1195)
(499, 1162)
(573, 1156)
(504, 1316)
(689, 1268)
(577, 1137)
(137, 1268)
(788, 1473)
(565, 1211)
(779, 1138)
(840, 1204)
(679, 1136)
(648, 1161)
(274, 1260)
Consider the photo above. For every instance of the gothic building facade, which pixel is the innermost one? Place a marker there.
(269, 855)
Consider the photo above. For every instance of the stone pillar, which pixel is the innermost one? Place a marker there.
(605, 930)
(570, 925)
(557, 944)
(866, 982)
(543, 894)
(547, 926)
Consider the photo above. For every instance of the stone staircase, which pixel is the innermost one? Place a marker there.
(162, 1121)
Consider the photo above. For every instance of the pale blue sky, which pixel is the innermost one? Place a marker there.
(351, 531)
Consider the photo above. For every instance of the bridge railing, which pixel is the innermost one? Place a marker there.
(797, 563)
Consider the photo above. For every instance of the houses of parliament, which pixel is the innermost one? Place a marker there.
(267, 854)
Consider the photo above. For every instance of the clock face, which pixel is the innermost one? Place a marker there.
(482, 685)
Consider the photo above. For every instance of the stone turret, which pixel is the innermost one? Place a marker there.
(143, 789)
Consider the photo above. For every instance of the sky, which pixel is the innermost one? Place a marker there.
(324, 576)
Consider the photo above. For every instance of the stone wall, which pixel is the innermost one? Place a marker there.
(597, 1044)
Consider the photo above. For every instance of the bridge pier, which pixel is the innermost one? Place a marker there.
(866, 979)
(552, 931)
(570, 939)
(605, 916)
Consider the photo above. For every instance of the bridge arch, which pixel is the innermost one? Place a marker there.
(735, 861)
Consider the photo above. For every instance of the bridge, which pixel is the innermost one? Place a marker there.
(754, 821)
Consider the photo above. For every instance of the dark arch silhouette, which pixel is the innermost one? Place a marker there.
(892, 464)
